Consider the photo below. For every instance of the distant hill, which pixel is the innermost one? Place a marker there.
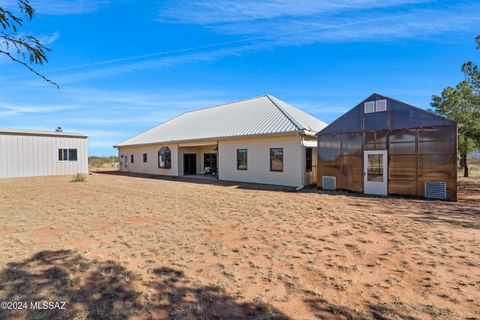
(102, 162)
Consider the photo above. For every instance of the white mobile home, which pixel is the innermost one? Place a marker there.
(258, 140)
(27, 153)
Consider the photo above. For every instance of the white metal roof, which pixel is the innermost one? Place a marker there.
(40, 133)
(264, 115)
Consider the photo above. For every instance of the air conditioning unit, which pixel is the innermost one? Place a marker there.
(381, 105)
(369, 107)
(329, 183)
(436, 190)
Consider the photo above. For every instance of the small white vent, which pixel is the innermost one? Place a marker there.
(329, 182)
(436, 190)
(381, 105)
(369, 107)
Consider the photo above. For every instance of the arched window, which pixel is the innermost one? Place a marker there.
(165, 158)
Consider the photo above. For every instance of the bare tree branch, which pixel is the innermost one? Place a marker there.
(22, 45)
(8, 54)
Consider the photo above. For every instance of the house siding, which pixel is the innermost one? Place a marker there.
(151, 166)
(259, 160)
(35, 155)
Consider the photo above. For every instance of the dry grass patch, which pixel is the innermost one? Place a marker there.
(130, 247)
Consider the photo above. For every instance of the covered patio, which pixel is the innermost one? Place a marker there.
(198, 159)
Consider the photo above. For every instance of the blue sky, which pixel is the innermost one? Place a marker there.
(124, 66)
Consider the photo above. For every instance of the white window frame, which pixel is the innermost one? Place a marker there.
(67, 158)
(369, 107)
(384, 101)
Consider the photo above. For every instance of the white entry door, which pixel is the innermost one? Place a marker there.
(375, 172)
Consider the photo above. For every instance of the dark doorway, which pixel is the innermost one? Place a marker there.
(210, 161)
(189, 164)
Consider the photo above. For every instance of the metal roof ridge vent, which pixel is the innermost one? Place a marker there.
(286, 114)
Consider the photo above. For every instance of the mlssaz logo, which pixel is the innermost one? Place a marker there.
(47, 305)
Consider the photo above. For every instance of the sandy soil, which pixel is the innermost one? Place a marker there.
(136, 248)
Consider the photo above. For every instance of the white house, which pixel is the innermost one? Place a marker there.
(26, 153)
(259, 140)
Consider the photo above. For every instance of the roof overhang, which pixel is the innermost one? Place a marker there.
(21, 132)
(208, 141)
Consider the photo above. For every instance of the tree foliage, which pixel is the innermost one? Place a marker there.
(26, 50)
(462, 104)
(472, 71)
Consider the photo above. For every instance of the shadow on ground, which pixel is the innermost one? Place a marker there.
(94, 289)
(199, 180)
(106, 290)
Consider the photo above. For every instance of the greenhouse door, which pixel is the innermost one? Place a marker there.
(375, 172)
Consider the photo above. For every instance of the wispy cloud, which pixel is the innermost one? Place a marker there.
(283, 22)
(263, 25)
(221, 11)
(151, 64)
(19, 109)
(49, 39)
(106, 116)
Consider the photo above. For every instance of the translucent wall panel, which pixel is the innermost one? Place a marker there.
(402, 187)
(407, 135)
(329, 150)
(402, 162)
(349, 122)
(375, 140)
(375, 121)
(351, 173)
(421, 146)
(329, 147)
(351, 144)
(405, 116)
(435, 166)
(351, 162)
(403, 167)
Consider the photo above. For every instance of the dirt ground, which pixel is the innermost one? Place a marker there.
(128, 247)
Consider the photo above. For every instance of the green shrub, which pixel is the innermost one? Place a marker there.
(79, 177)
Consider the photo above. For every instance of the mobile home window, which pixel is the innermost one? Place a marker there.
(242, 159)
(62, 154)
(165, 158)
(276, 159)
(67, 154)
(72, 154)
(131, 158)
(144, 157)
(308, 159)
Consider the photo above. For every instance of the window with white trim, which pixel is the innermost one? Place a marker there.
(375, 106)
(242, 159)
(381, 105)
(369, 107)
(276, 159)
(67, 155)
(165, 158)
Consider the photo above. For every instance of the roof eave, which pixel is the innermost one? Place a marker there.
(249, 136)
